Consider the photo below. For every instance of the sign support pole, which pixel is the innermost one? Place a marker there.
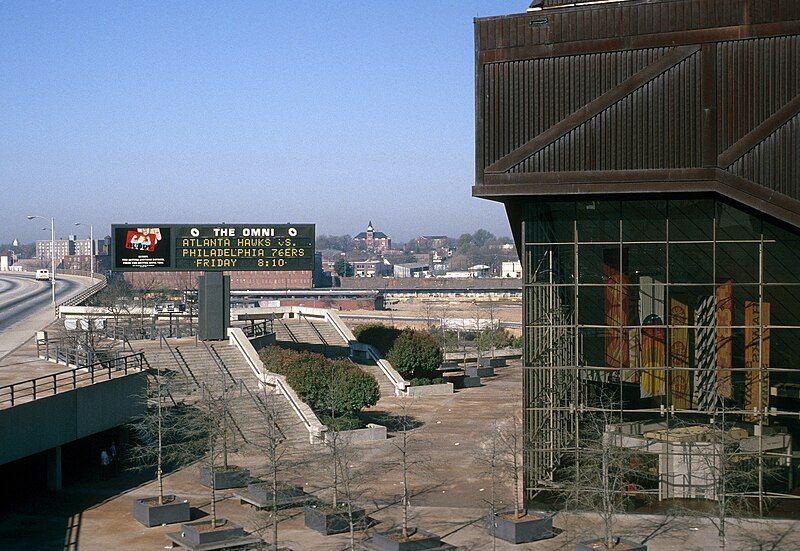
(214, 306)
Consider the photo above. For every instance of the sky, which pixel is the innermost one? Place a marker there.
(334, 113)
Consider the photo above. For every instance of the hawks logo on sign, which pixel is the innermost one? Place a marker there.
(137, 241)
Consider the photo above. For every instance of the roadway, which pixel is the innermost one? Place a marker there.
(26, 307)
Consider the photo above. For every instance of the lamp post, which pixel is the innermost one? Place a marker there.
(91, 249)
(52, 256)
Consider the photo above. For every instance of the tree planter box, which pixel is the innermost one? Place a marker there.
(623, 545)
(150, 513)
(329, 522)
(532, 527)
(493, 362)
(461, 381)
(479, 371)
(419, 541)
(234, 477)
(200, 532)
(260, 495)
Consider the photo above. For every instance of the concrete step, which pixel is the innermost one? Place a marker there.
(384, 384)
(247, 413)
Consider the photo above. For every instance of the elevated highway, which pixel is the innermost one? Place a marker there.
(26, 307)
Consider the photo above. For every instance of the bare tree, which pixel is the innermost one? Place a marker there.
(410, 459)
(278, 460)
(601, 471)
(169, 434)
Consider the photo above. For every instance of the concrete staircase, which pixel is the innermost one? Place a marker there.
(216, 363)
(385, 386)
(314, 335)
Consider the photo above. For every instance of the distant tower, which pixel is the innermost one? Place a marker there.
(370, 236)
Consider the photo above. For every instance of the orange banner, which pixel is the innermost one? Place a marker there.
(616, 316)
(724, 294)
(679, 354)
(756, 359)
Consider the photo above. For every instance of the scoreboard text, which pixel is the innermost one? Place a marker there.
(211, 248)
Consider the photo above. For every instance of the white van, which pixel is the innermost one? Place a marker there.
(42, 275)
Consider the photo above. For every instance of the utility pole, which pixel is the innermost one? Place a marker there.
(52, 258)
(91, 248)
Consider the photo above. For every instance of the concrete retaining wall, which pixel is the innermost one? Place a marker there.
(45, 423)
(372, 433)
(430, 390)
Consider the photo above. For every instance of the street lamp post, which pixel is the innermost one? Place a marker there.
(52, 257)
(91, 249)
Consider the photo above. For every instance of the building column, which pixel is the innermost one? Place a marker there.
(54, 468)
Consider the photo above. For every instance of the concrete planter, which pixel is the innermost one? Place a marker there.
(289, 495)
(430, 390)
(150, 513)
(233, 477)
(328, 522)
(623, 545)
(473, 371)
(493, 362)
(372, 433)
(420, 541)
(461, 381)
(201, 533)
(533, 526)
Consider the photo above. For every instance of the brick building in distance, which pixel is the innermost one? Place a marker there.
(372, 241)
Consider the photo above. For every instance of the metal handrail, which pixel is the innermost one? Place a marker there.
(314, 327)
(241, 384)
(163, 341)
(70, 379)
(258, 329)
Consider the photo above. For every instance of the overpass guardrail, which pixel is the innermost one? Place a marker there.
(70, 379)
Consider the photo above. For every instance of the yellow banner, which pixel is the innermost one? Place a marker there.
(679, 354)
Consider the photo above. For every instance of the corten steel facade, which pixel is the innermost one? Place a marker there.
(648, 155)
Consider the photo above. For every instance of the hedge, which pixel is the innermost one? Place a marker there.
(378, 335)
(416, 355)
(328, 386)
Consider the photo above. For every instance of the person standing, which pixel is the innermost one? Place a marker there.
(105, 461)
(113, 453)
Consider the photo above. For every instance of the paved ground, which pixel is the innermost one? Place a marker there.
(450, 489)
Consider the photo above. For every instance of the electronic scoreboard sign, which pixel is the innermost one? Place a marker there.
(226, 247)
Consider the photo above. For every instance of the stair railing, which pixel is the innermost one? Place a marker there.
(187, 371)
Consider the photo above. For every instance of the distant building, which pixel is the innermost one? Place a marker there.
(511, 269)
(479, 270)
(372, 241)
(6, 260)
(369, 268)
(66, 247)
(413, 269)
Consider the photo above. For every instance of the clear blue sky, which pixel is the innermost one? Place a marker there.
(326, 112)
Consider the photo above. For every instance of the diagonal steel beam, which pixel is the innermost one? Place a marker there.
(759, 133)
(594, 107)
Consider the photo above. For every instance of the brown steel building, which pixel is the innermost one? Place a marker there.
(648, 156)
